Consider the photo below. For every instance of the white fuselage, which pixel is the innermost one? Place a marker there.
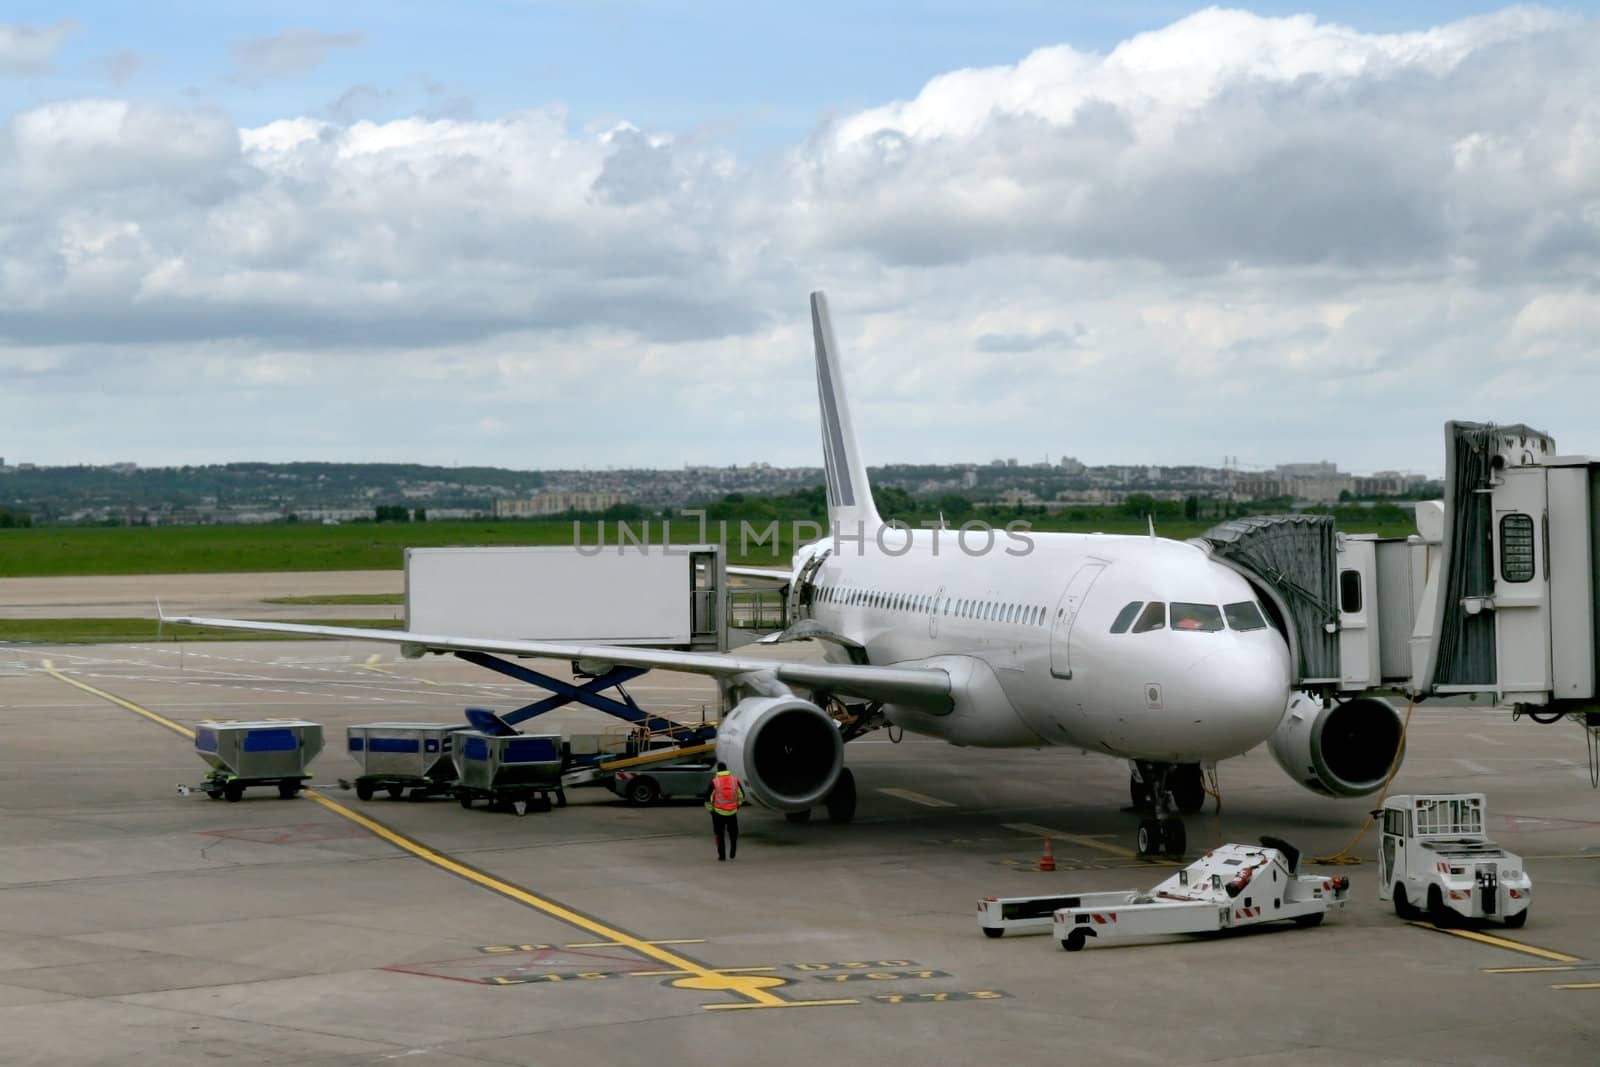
(1027, 637)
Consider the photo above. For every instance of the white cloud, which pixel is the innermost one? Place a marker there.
(1233, 235)
(27, 50)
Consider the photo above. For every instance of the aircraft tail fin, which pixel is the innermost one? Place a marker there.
(849, 495)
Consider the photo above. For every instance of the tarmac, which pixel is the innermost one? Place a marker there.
(139, 926)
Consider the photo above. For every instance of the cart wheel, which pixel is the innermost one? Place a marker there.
(1314, 919)
(994, 931)
(465, 798)
(364, 790)
(234, 791)
(1075, 941)
(420, 793)
(287, 790)
(214, 794)
(1438, 913)
(1402, 906)
(519, 808)
(396, 791)
(1517, 921)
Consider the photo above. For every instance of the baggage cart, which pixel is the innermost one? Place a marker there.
(276, 752)
(519, 772)
(401, 756)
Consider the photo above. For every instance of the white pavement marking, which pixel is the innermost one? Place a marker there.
(1475, 768)
(918, 798)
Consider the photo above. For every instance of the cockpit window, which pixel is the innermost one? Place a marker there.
(1154, 618)
(1125, 617)
(1244, 616)
(1206, 618)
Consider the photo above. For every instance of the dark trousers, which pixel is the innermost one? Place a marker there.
(728, 824)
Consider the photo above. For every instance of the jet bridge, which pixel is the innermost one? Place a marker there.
(1493, 599)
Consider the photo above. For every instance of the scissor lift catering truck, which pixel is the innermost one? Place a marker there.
(1433, 853)
(1230, 886)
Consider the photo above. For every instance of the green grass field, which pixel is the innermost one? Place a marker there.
(66, 550)
(142, 631)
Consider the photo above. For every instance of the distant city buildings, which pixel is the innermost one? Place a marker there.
(124, 493)
(555, 504)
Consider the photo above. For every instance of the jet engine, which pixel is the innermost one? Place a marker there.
(1342, 750)
(786, 751)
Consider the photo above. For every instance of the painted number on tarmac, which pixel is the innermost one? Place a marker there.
(879, 976)
(525, 979)
(854, 965)
(938, 998)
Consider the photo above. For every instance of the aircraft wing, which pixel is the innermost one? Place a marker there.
(926, 687)
(775, 574)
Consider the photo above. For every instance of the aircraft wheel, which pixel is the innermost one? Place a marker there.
(1148, 840)
(842, 798)
(1176, 838)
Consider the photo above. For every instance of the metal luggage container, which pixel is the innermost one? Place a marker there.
(510, 769)
(267, 752)
(401, 755)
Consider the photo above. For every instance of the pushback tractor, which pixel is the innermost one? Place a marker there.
(1229, 887)
(1433, 854)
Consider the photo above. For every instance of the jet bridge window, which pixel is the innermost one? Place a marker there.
(1350, 592)
(1244, 616)
(1154, 618)
(1205, 618)
(1124, 617)
(1516, 548)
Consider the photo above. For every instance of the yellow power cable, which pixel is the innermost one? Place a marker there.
(1343, 858)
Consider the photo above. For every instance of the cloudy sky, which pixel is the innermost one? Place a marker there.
(582, 234)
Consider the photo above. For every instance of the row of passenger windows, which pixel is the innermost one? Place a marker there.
(926, 604)
(1205, 618)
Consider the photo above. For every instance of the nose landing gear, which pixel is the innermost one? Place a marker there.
(1162, 833)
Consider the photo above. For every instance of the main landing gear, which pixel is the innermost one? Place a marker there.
(1156, 788)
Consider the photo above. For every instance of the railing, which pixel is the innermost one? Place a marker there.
(755, 609)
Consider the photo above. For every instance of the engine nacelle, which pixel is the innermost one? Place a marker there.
(1344, 750)
(786, 751)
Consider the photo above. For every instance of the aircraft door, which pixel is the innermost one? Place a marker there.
(1066, 614)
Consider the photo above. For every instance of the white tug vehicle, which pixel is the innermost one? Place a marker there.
(1433, 856)
(1230, 886)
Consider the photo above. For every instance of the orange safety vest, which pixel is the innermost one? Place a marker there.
(724, 793)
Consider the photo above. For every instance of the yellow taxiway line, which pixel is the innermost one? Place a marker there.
(699, 977)
(1503, 942)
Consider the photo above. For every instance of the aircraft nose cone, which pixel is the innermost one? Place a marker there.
(1241, 695)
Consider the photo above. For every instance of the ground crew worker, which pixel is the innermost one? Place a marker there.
(722, 801)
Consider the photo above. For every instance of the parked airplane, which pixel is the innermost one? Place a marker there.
(1137, 647)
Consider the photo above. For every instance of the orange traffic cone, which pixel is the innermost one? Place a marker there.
(1047, 861)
